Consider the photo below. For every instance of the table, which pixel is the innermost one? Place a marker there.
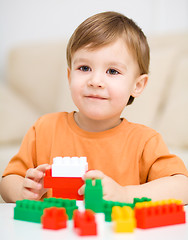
(18, 230)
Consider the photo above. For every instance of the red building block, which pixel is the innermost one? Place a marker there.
(157, 214)
(63, 187)
(54, 218)
(85, 223)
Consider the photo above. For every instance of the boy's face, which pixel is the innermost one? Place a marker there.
(102, 80)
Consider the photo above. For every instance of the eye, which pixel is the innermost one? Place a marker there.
(85, 68)
(112, 72)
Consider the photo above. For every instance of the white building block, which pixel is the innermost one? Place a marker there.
(69, 166)
(100, 219)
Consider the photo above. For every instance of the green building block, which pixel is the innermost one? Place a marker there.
(107, 209)
(29, 210)
(143, 199)
(68, 204)
(94, 195)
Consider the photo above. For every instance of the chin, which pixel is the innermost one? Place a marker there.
(97, 115)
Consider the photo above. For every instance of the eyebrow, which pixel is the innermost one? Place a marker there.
(80, 60)
(112, 63)
(118, 64)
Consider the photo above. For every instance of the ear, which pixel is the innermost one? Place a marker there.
(69, 74)
(139, 85)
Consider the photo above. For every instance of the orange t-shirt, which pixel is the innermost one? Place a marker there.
(130, 153)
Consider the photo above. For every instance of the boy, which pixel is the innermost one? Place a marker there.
(108, 62)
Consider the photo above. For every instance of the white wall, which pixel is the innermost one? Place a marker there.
(37, 20)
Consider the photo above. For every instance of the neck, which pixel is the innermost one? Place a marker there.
(92, 125)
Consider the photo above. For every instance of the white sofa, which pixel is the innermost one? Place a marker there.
(36, 83)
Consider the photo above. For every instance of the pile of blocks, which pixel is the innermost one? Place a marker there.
(65, 178)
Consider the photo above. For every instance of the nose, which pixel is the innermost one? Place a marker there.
(96, 81)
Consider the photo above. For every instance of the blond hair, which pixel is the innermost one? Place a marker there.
(104, 28)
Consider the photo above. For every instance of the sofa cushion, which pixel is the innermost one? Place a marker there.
(173, 120)
(145, 109)
(16, 115)
(35, 72)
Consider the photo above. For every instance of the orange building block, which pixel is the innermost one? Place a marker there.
(54, 218)
(160, 213)
(63, 187)
(85, 223)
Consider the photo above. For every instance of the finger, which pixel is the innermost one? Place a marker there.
(28, 194)
(33, 173)
(107, 198)
(43, 167)
(31, 184)
(81, 190)
(94, 174)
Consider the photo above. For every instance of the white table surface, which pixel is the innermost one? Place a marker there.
(18, 230)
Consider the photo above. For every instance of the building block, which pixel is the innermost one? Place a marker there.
(100, 221)
(29, 210)
(160, 213)
(65, 177)
(143, 199)
(123, 219)
(94, 195)
(68, 204)
(85, 223)
(54, 218)
(63, 187)
(108, 205)
(69, 166)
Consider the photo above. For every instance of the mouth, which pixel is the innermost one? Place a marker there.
(96, 97)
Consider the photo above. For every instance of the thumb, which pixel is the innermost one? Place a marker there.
(93, 174)
(81, 190)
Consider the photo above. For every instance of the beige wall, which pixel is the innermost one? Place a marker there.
(24, 21)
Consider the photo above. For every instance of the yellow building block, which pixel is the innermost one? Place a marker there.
(123, 219)
(157, 203)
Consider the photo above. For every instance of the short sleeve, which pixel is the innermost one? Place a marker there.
(25, 158)
(156, 161)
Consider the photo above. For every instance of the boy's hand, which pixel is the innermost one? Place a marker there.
(111, 190)
(33, 183)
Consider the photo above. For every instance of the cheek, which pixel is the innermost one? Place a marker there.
(120, 95)
(74, 84)
(76, 90)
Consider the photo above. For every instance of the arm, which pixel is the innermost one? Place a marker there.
(14, 187)
(163, 188)
(172, 187)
